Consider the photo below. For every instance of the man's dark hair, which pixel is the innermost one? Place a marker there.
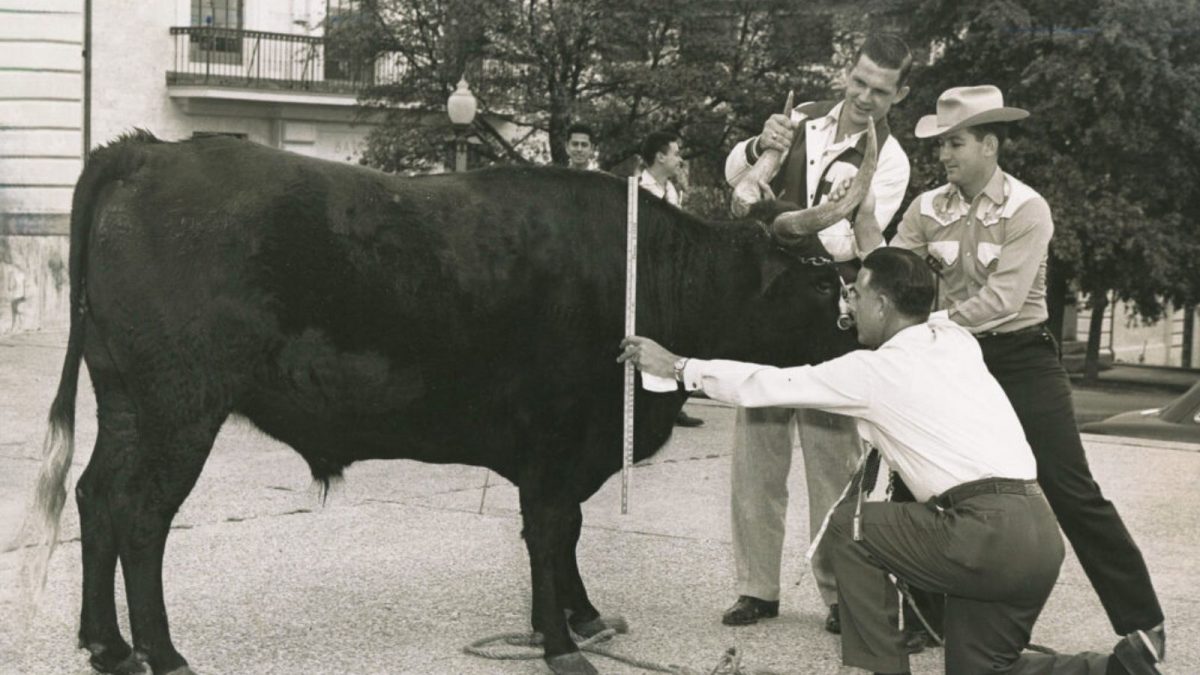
(655, 143)
(581, 128)
(997, 129)
(889, 51)
(904, 277)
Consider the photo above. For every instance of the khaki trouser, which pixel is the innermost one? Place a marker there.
(762, 457)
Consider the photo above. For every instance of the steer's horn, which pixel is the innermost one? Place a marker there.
(789, 226)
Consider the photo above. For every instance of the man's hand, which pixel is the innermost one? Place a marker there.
(777, 134)
(648, 356)
(866, 208)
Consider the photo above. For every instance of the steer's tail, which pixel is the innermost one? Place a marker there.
(40, 528)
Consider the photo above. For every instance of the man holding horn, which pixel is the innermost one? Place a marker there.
(806, 157)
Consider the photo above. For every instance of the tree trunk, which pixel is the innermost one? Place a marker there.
(1056, 300)
(1091, 362)
(1189, 333)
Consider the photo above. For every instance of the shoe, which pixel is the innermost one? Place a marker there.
(833, 620)
(916, 639)
(748, 610)
(685, 420)
(1141, 651)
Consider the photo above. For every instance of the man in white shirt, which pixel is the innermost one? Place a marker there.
(824, 143)
(982, 532)
(660, 153)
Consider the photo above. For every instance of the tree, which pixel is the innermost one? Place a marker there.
(1114, 139)
(711, 70)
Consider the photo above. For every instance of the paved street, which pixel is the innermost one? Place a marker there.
(400, 569)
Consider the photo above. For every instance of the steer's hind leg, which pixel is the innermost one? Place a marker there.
(116, 440)
(147, 493)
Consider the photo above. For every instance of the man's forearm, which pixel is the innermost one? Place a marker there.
(868, 236)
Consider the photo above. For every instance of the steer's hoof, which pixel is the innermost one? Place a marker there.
(601, 623)
(570, 664)
(134, 664)
(182, 670)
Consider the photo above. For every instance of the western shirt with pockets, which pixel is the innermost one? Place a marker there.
(991, 251)
(888, 185)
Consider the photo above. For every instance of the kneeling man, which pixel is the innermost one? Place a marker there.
(982, 533)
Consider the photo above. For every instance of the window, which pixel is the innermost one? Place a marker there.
(341, 63)
(221, 42)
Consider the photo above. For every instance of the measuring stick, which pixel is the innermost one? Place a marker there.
(631, 214)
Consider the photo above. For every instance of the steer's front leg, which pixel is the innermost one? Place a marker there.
(547, 520)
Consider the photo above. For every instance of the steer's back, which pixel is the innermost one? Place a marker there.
(354, 314)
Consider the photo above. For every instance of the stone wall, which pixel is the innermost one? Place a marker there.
(34, 290)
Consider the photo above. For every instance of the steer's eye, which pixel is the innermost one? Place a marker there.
(824, 286)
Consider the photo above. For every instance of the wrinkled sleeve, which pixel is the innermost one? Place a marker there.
(737, 164)
(842, 385)
(910, 234)
(1027, 238)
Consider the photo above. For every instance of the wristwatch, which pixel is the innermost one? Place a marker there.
(679, 366)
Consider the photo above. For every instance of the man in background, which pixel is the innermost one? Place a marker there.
(660, 154)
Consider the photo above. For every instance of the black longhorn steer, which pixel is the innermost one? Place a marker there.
(470, 318)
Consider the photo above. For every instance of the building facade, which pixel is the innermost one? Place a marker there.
(257, 69)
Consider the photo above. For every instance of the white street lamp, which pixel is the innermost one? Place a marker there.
(461, 109)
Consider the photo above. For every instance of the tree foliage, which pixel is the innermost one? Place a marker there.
(711, 70)
(1114, 138)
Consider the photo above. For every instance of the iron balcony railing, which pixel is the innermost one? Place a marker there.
(246, 58)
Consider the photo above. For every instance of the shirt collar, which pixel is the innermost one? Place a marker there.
(994, 189)
(908, 334)
(648, 178)
(952, 204)
(830, 117)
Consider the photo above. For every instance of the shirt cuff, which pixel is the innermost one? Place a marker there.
(752, 152)
(693, 375)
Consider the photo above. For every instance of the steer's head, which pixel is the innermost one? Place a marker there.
(799, 317)
(788, 314)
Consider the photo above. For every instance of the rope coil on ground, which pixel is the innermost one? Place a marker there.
(529, 646)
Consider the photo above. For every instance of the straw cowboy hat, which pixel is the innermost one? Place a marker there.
(961, 107)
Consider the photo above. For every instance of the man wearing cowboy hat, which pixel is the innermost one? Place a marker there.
(988, 234)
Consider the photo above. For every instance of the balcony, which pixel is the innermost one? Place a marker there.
(277, 66)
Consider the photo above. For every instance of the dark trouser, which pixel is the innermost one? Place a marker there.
(995, 556)
(1027, 367)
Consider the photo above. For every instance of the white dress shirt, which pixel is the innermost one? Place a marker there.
(888, 184)
(650, 184)
(924, 398)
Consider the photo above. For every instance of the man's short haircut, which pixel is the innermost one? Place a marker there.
(904, 277)
(581, 128)
(656, 142)
(997, 129)
(889, 51)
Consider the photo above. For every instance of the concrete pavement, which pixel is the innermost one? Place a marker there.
(399, 569)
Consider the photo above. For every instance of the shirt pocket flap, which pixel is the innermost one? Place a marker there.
(988, 253)
(946, 252)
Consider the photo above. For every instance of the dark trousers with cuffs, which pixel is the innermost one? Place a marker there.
(1028, 368)
(995, 556)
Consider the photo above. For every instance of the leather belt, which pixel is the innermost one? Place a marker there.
(1028, 330)
(987, 486)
